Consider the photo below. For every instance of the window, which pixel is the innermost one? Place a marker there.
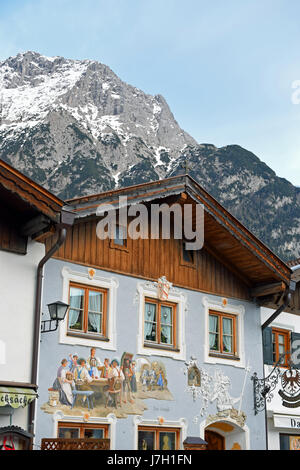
(153, 438)
(119, 239)
(280, 346)
(289, 441)
(88, 311)
(160, 323)
(82, 431)
(222, 334)
(187, 257)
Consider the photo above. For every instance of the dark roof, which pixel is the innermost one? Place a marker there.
(25, 197)
(295, 262)
(194, 441)
(16, 430)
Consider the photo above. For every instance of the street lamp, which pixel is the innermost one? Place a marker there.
(57, 312)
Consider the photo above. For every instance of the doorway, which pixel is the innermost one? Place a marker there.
(214, 440)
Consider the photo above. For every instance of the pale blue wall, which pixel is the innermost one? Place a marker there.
(52, 352)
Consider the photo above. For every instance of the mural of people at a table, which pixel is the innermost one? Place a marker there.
(108, 385)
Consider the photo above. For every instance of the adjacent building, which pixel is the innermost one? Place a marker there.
(28, 214)
(281, 358)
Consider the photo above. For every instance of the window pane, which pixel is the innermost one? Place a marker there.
(95, 312)
(227, 326)
(76, 308)
(150, 322)
(119, 238)
(188, 256)
(227, 344)
(214, 333)
(214, 342)
(167, 441)
(95, 323)
(68, 433)
(75, 319)
(213, 324)
(166, 315)
(281, 339)
(166, 335)
(95, 301)
(94, 433)
(146, 440)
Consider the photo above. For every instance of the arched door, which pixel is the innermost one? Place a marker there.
(214, 440)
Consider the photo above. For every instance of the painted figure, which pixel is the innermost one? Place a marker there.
(133, 383)
(126, 368)
(115, 380)
(160, 381)
(72, 362)
(106, 369)
(64, 383)
(94, 365)
(81, 374)
(145, 378)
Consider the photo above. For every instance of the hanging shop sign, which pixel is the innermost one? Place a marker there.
(16, 397)
(288, 380)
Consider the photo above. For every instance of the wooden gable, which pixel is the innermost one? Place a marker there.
(232, 263)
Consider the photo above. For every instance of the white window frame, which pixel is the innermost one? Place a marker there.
(150, 290)
(111, 284)
(140, 421)
(110, 419)
(238, 311)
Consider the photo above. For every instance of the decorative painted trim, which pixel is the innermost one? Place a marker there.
(109, 283)
(140, 421)
(110, 419)
(150, 289)
(239, 312)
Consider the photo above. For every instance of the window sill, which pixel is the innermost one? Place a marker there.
(118, 247)
(160, 346)
(224, 356)
(87, 336)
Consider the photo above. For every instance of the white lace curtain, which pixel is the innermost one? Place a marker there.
(150, 318)
(95, 311)
(76, 305)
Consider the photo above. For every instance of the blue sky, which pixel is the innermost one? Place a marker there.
(225, 67)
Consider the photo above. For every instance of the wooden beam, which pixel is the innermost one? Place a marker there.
(268, 289)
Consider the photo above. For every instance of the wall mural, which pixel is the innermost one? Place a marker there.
(214, 387)
(88, 385)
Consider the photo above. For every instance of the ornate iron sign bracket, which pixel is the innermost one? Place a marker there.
(263, 389)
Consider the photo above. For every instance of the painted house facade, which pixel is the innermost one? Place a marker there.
(160, 342)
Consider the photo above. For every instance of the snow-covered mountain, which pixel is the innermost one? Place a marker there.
(66, 121)
(77, 129)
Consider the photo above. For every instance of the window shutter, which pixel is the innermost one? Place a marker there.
(295, 348)
(267, 346)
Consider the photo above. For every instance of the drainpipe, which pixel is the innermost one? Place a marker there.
(67, 219)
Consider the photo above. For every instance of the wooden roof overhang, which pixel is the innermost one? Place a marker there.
(263, 272)
(26, 209)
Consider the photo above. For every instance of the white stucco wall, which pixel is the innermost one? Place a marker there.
(17, 295)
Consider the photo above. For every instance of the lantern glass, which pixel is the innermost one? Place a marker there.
(58, 310)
